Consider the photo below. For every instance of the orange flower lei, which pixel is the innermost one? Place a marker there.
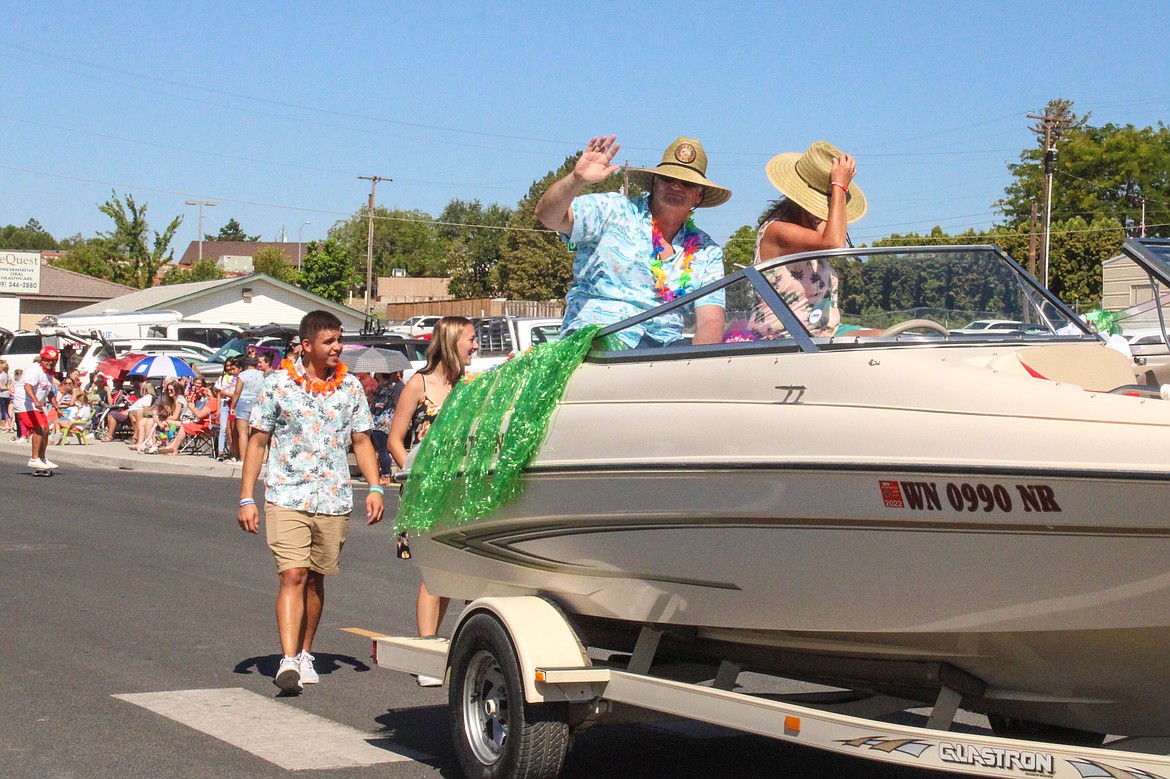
(314, 386)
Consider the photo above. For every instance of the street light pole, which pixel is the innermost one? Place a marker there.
(300, 244)
(370, 239)
(201, 204)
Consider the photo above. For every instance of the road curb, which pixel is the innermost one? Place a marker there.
(118, 456)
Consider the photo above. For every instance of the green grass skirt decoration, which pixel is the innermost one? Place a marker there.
(488, 432)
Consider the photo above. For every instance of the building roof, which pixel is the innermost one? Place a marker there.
(62, 284)
(214, 249)
(168, 295)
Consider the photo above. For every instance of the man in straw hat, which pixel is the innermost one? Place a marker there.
(633, 254)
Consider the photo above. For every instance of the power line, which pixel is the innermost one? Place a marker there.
(343, 215)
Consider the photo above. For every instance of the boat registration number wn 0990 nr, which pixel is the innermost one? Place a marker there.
(968, 496)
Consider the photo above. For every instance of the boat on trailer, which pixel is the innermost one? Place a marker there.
(885, 506)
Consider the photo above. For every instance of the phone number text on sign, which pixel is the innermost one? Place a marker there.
(20, 272)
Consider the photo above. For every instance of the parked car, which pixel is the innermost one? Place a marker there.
(1151, 356)
(156, 346)
(212, 368)
(415, 327)
(987, 326)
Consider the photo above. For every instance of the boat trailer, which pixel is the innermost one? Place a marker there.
(520, 681)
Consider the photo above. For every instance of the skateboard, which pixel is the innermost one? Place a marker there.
(43, 472)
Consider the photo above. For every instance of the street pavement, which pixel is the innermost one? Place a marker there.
(139, 641)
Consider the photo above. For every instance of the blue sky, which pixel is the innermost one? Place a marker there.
(273, 110)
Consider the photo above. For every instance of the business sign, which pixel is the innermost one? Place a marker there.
(20, 273)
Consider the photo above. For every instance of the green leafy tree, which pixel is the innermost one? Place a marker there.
(1100, 172)
(31, 237)
(473, 252)
(740, 250)
(95, 257)
(402, 239)
(535, 264)
(139, 257)
(231, 232)
(327, 270)
(273, 261)
(202, 270)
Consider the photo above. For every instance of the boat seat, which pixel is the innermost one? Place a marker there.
(1095, 367)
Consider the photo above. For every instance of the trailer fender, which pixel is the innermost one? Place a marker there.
(542, 638)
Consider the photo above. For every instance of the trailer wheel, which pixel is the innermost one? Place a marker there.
(1010, 727)
(497, 733)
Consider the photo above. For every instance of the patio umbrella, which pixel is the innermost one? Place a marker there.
(374, 360)
(161, 366)
(117, 367)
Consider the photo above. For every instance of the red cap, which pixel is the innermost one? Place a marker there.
(50, 353)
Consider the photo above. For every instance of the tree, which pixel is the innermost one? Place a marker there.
(473, 252)
(327, 270)
(92, 256)
(402, 239)
(139, 258)
(31, 237)
(1100, 172)
(273, 261)
(740, 250)
(231, 232)
(202, 270)
(535, 264)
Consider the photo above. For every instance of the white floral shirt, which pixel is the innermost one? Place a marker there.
(307, 467)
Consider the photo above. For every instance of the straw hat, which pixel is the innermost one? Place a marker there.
(684, 160)
(804, 179)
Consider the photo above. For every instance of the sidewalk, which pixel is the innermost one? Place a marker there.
(116, 454)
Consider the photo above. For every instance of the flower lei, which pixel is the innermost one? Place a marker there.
(690, 246)
(314, 386)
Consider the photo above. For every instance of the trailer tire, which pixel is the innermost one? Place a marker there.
(1010, 727)
(497, 733)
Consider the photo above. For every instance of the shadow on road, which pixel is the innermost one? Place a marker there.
(266, 665)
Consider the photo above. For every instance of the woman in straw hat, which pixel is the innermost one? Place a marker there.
(634, 254)
(819, 202)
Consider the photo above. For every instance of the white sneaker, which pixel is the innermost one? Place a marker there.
(428, 681)
(288, 676)
(35, 462)
(309, 674)
(47, 463)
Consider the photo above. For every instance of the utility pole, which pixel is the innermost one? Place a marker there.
(201, 204)
(370, 240)
(1032, 242)
(1049, 125)
(1057, 118)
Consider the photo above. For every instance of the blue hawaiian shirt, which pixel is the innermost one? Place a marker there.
(612, 280)
(307, 466)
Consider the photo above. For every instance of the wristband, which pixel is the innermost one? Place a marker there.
(247, 502)
(378, 489)
(840, 186)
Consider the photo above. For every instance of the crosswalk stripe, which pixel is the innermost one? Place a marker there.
(290, 738)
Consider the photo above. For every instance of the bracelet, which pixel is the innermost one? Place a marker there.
(840, 186)
(247, 502)
(378, 488)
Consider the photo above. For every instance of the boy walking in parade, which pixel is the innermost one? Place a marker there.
(308, 412)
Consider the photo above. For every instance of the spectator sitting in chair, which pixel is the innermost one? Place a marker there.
(76, 422)
(194, 422)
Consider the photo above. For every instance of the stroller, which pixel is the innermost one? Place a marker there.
(99, 425)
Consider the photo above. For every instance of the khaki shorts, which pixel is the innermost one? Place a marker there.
(299, 539)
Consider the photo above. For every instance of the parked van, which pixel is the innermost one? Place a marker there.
(162, 323)
(212, 334)
(132, 324)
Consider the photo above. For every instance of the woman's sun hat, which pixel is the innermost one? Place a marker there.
(684, 160)
(804, 179)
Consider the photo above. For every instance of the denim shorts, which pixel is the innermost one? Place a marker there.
(244, 407)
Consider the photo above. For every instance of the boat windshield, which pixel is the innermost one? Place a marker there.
(813, 301)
